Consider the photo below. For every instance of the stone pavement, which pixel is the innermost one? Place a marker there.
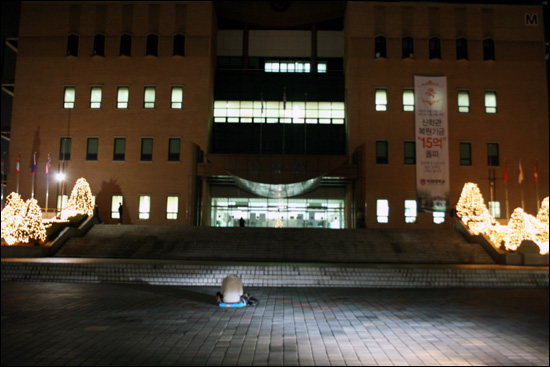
(47, 323)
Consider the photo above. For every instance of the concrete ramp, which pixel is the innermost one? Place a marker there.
(276, 245)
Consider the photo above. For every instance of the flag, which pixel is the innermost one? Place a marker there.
(536, 174)
(505, 175)
(33, 169)
(520, 173)
(17, 165)
(48, 164)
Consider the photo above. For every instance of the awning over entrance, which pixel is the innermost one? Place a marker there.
(277, 191)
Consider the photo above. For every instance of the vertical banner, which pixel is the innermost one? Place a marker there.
(432, 143)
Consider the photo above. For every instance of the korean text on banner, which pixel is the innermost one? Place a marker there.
(432, 148)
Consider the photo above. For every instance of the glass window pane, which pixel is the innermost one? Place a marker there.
(123, 96)
(116, 201)
(149, 97)
(119, 151)
(322, 67)
(439, 217)
(381, 100)
(95, 97)
(410, 211)
(91, 150)
(69, 99)
(144, 206)
(490, 102)
(172, 207)
(382, 211)
(174, 149)
(177, 97)
(408, 100)
(463, 101)
(494, 208)
(146, 149)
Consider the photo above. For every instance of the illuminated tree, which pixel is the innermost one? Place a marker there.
(542, 215)
(22, 221)
(472, 210)
(12, 219)
(33, 228)
(80, 201)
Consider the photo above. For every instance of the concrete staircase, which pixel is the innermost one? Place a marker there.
(275, 245)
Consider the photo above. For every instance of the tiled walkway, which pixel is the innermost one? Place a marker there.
(127, 324)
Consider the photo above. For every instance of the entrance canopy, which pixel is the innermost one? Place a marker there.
(277, 191)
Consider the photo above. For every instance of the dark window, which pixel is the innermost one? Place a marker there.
(152, 45)
(461, 49)
(120, 148)
(179, 45)
(410, 152)
(488, 49)
(465, 154)
(91, 150)
(65, 149)
(99, 45)
(173, 149)
(382, 152)
(492, 154)
(435, 48)
(380, 47)
(147, 149)
(407, 48)
(72, 45)
(125, 45)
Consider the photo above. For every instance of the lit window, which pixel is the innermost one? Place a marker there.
(116, 201)
(380, 47)
(381, 99)
(95, 97)
(179, 45)
(174, 149)
(123, 96)
(65, 149)
(99, 45)
(382, 211)
(382, 152)
(465, 154)
(410, 152)
(149, 97)
(408, 100)
(490, 102)
(146, 149)
(463, 101)
(439, 217)
(69, 98)
(120, 149)
(125, 45)
(410, 211)
(91, 149)
(492, 154)
(322, 67)
(488, 49)
(177, 97)
(144, 206)
(494, 208)
(172, 207)
(461, 49)
(152, 45)
(435, 48)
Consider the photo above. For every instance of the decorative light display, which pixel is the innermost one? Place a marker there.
(80, 201)
(22, 221)
(474, 214)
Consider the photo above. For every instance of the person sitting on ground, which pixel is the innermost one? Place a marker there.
(232, 292)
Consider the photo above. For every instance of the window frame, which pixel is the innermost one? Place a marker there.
(490, 109)
(463, 108)
(125, 48)
(120, 103)
(407, 107)
(67, 103)
(147, 104)
(380, 49)
(407, 211)
(172, 157)
(99, 45)
(115, 204)
(465, 160)
(144, 202)
(171, 215)
(178, 45)
(94, 102)
(434, 47)
(382, 159)
(152, 45)
(381, 104)
(382, 213)
(461, 48)
(64, 152)
(176, 104)
(146, 157)
(73, 40)
(493, 160)
(119, 156)
(407, 47)
(488, 49)
(408, 159)
(91, 156)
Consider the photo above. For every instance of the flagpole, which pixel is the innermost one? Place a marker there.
(33, 173)
(17, 171)
(520, 179)
(505, 178)
(261, 125)
(305, 124)
(284, 117)
(47, 183)
(536, 177)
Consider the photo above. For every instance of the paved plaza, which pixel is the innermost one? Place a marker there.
(127, 324)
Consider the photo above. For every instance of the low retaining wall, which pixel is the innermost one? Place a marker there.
(275, 275)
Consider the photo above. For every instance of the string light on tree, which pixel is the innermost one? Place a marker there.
(80, 201)
(22, 221)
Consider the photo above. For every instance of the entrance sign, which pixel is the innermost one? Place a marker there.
(432, 145)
